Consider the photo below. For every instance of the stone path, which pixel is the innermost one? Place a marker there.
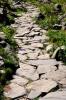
(38, 75)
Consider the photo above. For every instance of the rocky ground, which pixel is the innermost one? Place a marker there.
(39, 76)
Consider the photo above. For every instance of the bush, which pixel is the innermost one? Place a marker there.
(1, 93)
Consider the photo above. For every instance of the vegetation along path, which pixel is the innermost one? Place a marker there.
(39, 77)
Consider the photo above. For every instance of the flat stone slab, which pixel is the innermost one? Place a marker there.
(37, 45)
(14, 90)
(45, 56)
(33, 55)
(58, 95)
(45, 69)
(19, 80)
(50, 62)
(54, 75)
(27, 71)
(40, 86)
(21, 32)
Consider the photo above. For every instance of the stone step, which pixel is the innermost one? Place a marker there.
(58, 95)
(50, 62)
(14, 90)
(40, 86)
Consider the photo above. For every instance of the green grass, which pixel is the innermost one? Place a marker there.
(20, 10)
(57, 37)
(51, 17)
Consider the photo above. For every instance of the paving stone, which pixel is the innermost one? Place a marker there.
(40, 86)
(33, 33)
(22, 57)
(58, 95)
(19, 80)
(27, 71)
(50, 62)
(63, 82)
(37, 45)
(45, 56)
(62, 67)
(14, 90)
(55, 75)
(22, 32)
(37, 29)
(32, 55)
(45, 69)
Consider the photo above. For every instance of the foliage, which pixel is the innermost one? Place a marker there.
(1, 93)
(51, 17)
(57, 37)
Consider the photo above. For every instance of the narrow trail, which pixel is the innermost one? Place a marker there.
(38, 74)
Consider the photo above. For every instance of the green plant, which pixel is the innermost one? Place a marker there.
(9, 32)
(1, 93)
(57, 37)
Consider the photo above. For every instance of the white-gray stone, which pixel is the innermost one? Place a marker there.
(37, 45)
(19, 80)
(55, 75)
(39, 86)
(45, 56)
(50, 62)
(33, 55)
(45, 68)
(58, 95)
(14, 90)
(27, 71)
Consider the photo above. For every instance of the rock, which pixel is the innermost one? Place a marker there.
(22, 57)
(22, 32)
(58, 8)
(2, 36)
(19, 80)
(58, 95)
(37, 29)
(27, 71)
(40, 86)
(50, 62)
(13, 91)
(14, 25)
(62, 67)
(63, 82)
(45, 56)
(57, 27)
(54, 75)
(45, 69)
(32, 55)
(37, 45)
(34, 33)
(49, 48)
